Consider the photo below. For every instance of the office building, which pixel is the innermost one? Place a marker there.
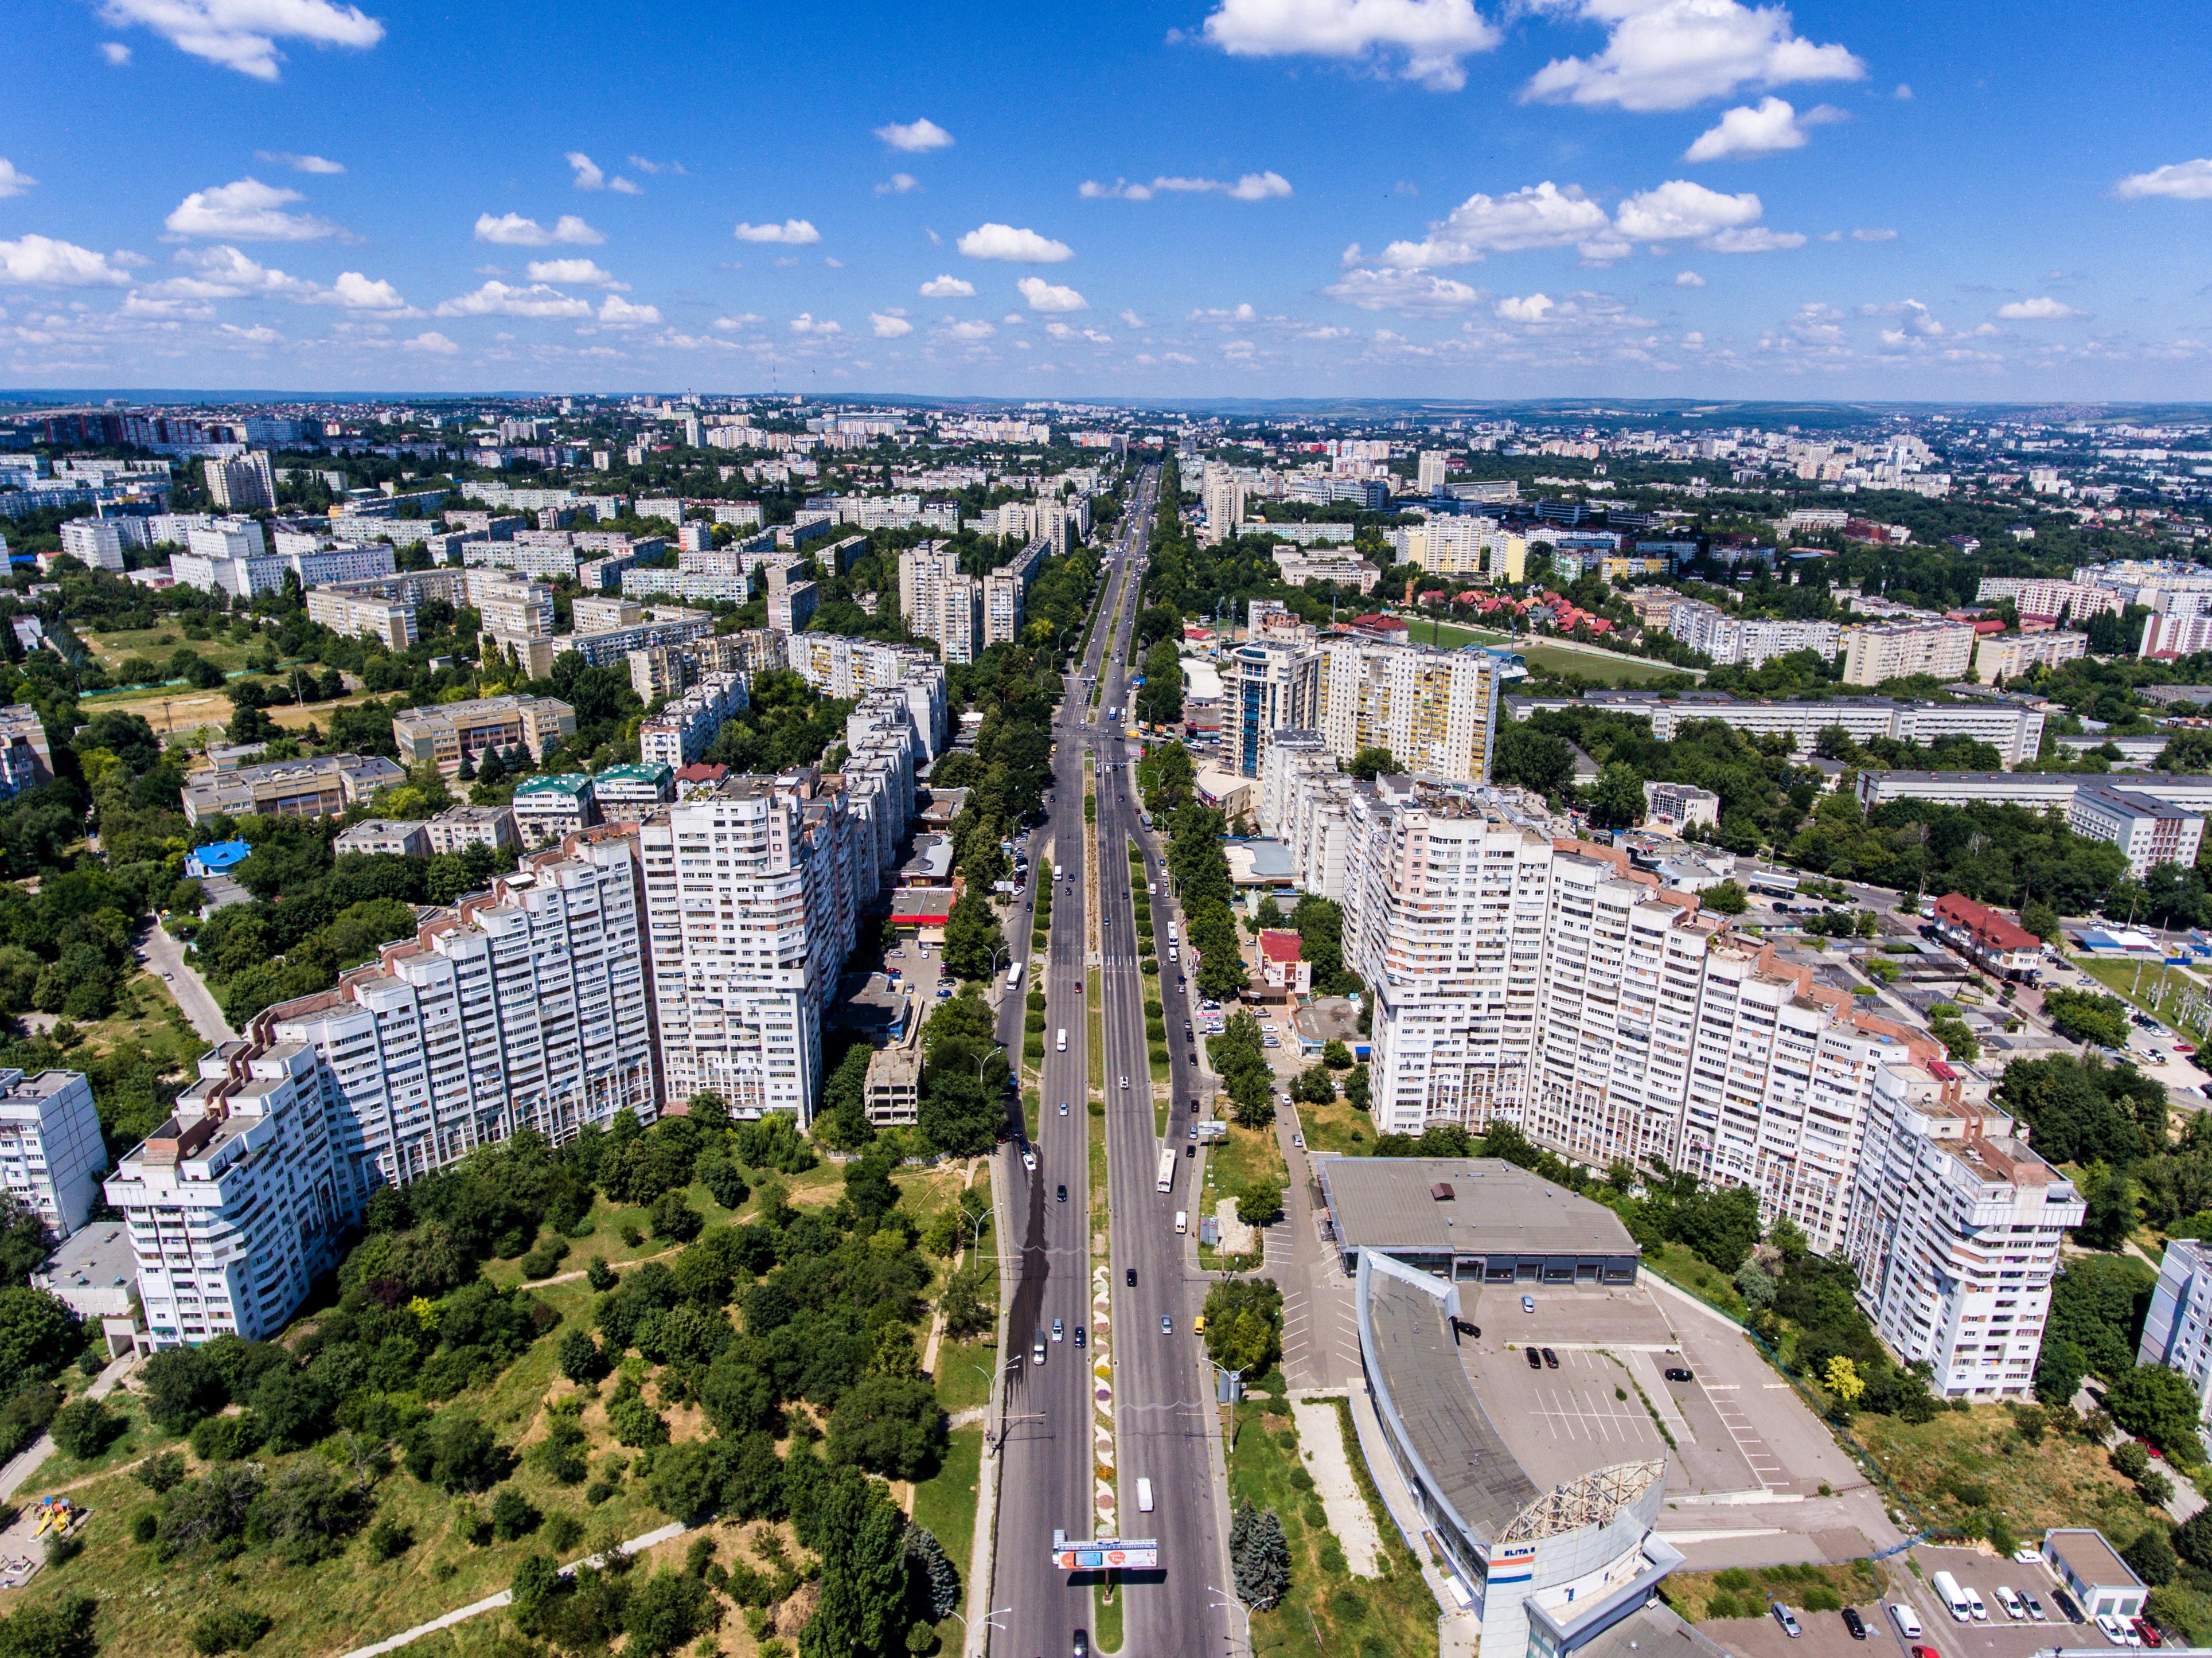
(238, 1202)
(1301, 566)
(2149, 830)
(325, 786)
(458, 828)
(1728, 639)
(526, 1007)
(1955, 1231)
(2177, 1331)
(52, 1155)
(2001, 656)
(242, 484)
(549, 809)
(447, 733)
(1679, 806)
(1874, 653)
(94, 543)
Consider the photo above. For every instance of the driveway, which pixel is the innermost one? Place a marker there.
(165, 957)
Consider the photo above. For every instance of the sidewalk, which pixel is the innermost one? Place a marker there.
(33, 1457)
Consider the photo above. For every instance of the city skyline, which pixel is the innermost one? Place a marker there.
(1341, 198)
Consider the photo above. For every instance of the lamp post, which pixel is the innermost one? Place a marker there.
(990, 1620)
(1237, 1606)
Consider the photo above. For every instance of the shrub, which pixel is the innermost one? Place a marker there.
(511, 1515)
(85, 1429)
(159, 1473)
(389, 1539)
(230, 1628)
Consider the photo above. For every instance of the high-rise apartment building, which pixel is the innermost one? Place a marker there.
(840, 666)
(1222, 493)
(52, 1155)
(94, 543)
(2177, 1331)
(1954, 1229)
(1458, 546)
(1266, 688)
(1436, 711)
(939, 603)
(529, 1007)
(1877, 651)
(241, 484)
(1006, 593)
(1433, 468)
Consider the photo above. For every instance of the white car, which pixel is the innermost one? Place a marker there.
(2012, 1604)
(1125, 1082)
(2027, 1557)
(1057, 1331)
(1976, 1607)
(1028, 1161)
(1063, 1108)
(2116, 1632)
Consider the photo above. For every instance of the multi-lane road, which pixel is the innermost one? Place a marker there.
(1160, 1393)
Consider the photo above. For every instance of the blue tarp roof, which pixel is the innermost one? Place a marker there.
(222, 854)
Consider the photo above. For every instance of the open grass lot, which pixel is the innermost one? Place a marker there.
(157, 645)
(1328, 1613)
(947, 1503)
(181, 708)
(2120, 978)
(1681, 1265)
(1592, 662)
(1966, 1463)
(1338, 1126)
(1740, 1592)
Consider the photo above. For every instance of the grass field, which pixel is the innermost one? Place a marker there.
(946, 1505)
(1328, 1613)
(1738, 1593)
(2120, 977)
(1591, 661)
(1680, 1265)
(1967, 1463)
(157, 645)
(1338, 1126)
(1232, 1164)
(181, 708)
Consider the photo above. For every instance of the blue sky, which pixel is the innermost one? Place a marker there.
(1227, 197)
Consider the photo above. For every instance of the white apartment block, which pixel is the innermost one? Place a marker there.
(2008, 656)
(1457, 546)
(1894, 650)
(1221, 492)
(680, 733)
(526, 1007)
(939, 603)
(2178, 1330)
(95, 542)
(792, 604)
(534, 558)
(355, 563)
(2014, 730)
(1431, 470)
(1006, 593)
(2037, 791)
(1954, 1229)
(237, 1202)
(839, 666)
(2150, 831)
(1537, 980)
(1750, 641)
(241, 482)
(52, 1155)
(2047, 599)
(1436, 711)
(370, 615)
(1267, 686)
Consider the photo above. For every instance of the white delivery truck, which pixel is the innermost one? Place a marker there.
(1063, 1040)
(1948, 1592)
(1144, 1496)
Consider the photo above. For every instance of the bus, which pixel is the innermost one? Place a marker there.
(1167, 1170)
(1013, 978)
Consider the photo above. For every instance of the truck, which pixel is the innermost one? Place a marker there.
(1167, 1171)
(1771, 880)
(1954, 1598)
(1063, 1040)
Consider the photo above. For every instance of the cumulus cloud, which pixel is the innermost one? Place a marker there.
(1131, 320)
(803, 323)
(889, 324)
(499, 299)
(225, 273)
(2043, 309)
(1874, 235)
(1044, 296)
(1767, 128)
(1674, 54)
(898, 185)
(590, 177)
(742, 320)
(948, 287)
(1543, 215)
(1251, 187)
(513, 230)
(298, 163)
(915, 138)
(576, 273)
(966, 331)
(247, 210)
(1531, 309)
(1688, 279)
(653, 168)
(1018, 246)
(431, 343)
(242, 34)
(1423, 41)
(1414, 293)
(115, 51)
(795, 233)
(2183, 181)
(618, 313)
(1679, 210)
(13, 183)
(34, 261)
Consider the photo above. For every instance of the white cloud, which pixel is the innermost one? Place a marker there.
(298, 163)
(915, 138)
(1767, 128)
(1064, 332)
(742, 320)
(1415, 293)
(1021, 246)
(1874, 235)
(576, 273)
(242, 34)
(966, 331)
(13, 183)
(1242, 312)
(513, 230)
(431, 343)
(1754, 239)
(795, 233)
(1674, 54)
(1044, 296)
(2184, 181)
(889, 324)
(355, 292)
(499, 299)
(115, 51)
(654, 168)
(1531, 309)
(618, 313)
(1679, 210)
(1425, 40)
(36, 261)
(247, 210)
(2043, 309)
(948, 287)
(898, 185)
(259, 334)
(1543, 215)
(589, 176)
(1688, 279)
(803, 323)
(1251, 187)
(1131, 320)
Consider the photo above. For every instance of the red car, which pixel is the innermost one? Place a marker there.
(1926, 1652)
(2148, 1631)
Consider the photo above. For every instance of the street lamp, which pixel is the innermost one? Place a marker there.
(997, 1047)
(990, 1620)
(1237, 1606)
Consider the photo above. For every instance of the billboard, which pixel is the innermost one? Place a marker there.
(1108, 1554)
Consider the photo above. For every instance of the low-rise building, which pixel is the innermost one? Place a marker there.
(2150, 831)
(1994, 943)
(25, 759)
(628, 792)
(1679, 806)
(892, 1097)
(368, 615)
(548, 809)
(52, 1155)
(1283, 974)
(94, 1273)
(2008, 656)
(447, 733)
(385, 837)
(325, 786)
(2102, 1583)
(458, 828)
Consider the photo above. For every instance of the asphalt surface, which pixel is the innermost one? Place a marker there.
(1046, 1482)
(165, 957)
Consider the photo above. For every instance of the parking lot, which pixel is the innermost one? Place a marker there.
(2001, 1637)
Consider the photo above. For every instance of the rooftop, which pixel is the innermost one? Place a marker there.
(222, 854)
(1393, 1204)
(571, 782)
(2093, 1558)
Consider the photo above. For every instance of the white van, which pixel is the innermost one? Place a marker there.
(1063, 1042)
(1144, 1496)
(1907, 1620)
(1953, 1597)
(1182, 1221)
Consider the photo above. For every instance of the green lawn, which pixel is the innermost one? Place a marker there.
(2120, 978)
(158, 644)
(1231, 1164)
(1328, 1613)
(1338, 1126)
(1594, 662)
(1683, 1267)
(946, 1505)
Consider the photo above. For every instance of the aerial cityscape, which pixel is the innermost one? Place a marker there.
(1346, 829)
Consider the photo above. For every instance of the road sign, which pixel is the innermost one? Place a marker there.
(1108, 1554)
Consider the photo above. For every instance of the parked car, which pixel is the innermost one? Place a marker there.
(1527, 1303)
(1676, 1373)
(1854, 1623)
(1298, 1141)
(1976, 1607)
(2012, 1607)
(2116, 1632)
(1535, 1359)
(1550, 1359)
(2151, 1634)
(2066, 1605)
(1788, 1619)
(2035, 1612)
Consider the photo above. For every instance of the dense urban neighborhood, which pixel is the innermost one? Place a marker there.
(802, 1024)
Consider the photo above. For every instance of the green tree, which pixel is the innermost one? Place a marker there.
(1369, 763)
(971, 936)
(85, 1428)
(665, 1610)
(860, 1539)
(685, 1480)
(1531, 759)
(2041, 920)
(39, 1333)
(2087, 1016)
(62, 1629)
(890, 1426)
(2157, 1404)
(1726, 899)
(1616, 799)
(1260, 1203)
(1259, 1556)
